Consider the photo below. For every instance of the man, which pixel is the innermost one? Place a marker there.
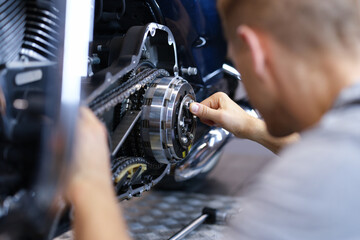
(300, 65)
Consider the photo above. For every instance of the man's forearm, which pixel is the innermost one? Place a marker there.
(260, 135)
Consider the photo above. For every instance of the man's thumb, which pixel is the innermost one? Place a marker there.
(203, 111)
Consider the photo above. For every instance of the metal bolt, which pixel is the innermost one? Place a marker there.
(94, 59)
(184, 140)
(191, 71)
(191, 136)
(181, 124)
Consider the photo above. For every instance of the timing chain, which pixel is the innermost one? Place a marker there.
(117, 95)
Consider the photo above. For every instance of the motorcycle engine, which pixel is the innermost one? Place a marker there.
(148, 103)
(29, 33)
(133, 86)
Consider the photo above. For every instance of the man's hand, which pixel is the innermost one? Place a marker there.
(219, 110)
(91, 163)
(89, 189)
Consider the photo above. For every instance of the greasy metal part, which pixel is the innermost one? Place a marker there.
(164, 100)
(189, 228)
(202, 154)
(131, 56)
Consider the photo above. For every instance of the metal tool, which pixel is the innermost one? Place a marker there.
(209, 216)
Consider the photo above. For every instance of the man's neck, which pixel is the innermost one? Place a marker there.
(323, 89)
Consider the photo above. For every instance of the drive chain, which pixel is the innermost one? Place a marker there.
(117, 95)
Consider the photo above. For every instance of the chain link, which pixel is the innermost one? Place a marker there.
(125, 90)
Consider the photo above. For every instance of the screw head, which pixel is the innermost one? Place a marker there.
(191, 136)
(184, 140)
(182, 124)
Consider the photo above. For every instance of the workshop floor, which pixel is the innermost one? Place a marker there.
(241, 162)
(157, 215)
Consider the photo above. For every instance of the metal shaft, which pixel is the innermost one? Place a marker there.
(189, 228)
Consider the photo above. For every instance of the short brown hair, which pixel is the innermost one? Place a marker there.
(301, 25)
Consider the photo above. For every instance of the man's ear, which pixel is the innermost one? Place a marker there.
(253, 41)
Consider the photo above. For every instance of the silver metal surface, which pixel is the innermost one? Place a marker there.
(213, 74)
(191, 71)
(28, 77)
(202, 154)
(189, 228)
(12, 29)
(231, 71)
(159, 120)
(123, 130)
(42, 33)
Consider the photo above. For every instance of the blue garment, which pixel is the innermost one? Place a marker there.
(312, 191)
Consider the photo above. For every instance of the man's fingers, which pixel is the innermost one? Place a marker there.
(216, 101)
(88, 117)
(203, 112)
(87, 114)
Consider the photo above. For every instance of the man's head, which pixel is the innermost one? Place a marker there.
(285, 48)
